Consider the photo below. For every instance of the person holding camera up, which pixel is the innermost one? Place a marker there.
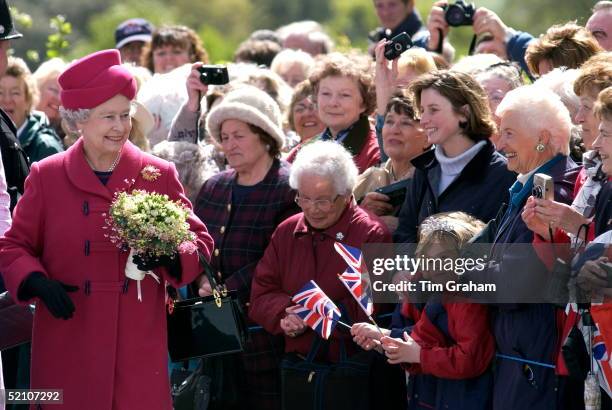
(395, 17)
(504, 41)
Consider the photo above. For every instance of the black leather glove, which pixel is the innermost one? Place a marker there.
(53, 293)
(146, 263)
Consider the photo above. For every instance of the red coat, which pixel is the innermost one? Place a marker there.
(469, 356)
(113, 353)
(297, 254)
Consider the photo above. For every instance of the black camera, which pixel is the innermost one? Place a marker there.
(459, 14)
(213, 74)
(397, 46)
(396, 192)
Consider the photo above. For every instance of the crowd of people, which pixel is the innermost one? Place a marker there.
(292, 154)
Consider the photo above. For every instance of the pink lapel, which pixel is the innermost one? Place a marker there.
(81, 175)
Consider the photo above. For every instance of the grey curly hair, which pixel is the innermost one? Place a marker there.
(71, 117)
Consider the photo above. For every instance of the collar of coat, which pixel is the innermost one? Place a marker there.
(356, 138)
(474, 170)
(340, 227)
(81, 175)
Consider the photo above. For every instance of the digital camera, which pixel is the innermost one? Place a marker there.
(459, 14)
(398, 45)
(213, 74)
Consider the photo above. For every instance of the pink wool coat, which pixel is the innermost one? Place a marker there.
(112, 354)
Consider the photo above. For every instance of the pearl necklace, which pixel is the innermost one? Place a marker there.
(112, 167)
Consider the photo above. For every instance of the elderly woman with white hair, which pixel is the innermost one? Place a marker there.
(302, 249)
(534, 135)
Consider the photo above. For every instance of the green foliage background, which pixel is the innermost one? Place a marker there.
(223, 24)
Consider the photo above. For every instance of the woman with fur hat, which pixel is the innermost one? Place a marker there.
(242, 207)
(92, 336)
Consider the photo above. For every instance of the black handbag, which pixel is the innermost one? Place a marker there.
(310, 385)
(15, 322)
(205, 326)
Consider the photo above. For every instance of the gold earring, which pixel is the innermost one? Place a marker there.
(540, 147)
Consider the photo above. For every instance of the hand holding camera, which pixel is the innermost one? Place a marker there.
(486, 21)
(195, 88)
(437, 25)
(385, 78)
(377, 203)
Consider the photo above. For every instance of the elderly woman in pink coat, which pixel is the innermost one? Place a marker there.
(92, 336)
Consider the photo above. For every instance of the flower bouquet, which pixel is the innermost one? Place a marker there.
(150, 225)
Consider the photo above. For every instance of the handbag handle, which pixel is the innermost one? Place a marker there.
(219, 290)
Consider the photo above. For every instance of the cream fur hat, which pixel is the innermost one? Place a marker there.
(251, 105)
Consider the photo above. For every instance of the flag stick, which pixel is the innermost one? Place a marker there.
(341, 323)
(360, 305)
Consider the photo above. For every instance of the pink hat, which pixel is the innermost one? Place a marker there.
(94, 79)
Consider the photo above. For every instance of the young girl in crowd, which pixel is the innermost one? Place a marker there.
(446, 348)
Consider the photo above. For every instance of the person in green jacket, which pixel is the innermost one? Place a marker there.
(18, 93)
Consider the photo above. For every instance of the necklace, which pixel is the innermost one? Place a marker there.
(112, 167)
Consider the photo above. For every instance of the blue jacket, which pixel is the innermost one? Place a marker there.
(528, 331)
(517, 47)
(479, 190)
(603, 209)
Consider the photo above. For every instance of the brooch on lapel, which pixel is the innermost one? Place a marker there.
(150, 173)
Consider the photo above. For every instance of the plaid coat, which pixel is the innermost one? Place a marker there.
(241, 232)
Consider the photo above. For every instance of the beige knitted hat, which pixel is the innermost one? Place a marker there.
(251, 105)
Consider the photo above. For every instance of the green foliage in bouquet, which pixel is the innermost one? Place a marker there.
(149, 223)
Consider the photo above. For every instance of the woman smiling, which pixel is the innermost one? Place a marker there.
(464, 165)
(344, 93)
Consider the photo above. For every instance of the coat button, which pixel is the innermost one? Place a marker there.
(222, 230)
(216, 252)
(229, 207)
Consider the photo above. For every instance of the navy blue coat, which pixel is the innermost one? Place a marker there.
(479, 190)
(528, 331)
(603, 209)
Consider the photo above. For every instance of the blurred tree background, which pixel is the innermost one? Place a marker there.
(223, 24)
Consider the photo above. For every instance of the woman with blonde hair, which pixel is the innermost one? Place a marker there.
(18, 96)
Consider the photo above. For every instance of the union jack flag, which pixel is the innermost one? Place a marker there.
(352, 256)
(352, 277)
(360, 291)
(602, 357)
(312, 297)
(323, 325)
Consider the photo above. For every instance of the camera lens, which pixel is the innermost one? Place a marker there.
(537, 191)
(455, 15)
(398, 47)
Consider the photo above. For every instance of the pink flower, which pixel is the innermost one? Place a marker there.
(187, 247)
(150, 173)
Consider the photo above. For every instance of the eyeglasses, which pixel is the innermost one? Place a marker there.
(323, 205)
